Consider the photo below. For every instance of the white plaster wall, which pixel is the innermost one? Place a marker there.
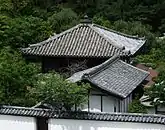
(62, 124)
(8, 122)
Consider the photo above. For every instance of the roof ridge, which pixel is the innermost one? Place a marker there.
(97, 39)
(107, 39)
(101, 67)
(56, 36)
(120, 33)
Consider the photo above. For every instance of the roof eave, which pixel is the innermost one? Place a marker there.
(87, 78)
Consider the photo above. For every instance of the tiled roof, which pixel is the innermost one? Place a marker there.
(124, 117)
(114, 76)
(79, 75)
(87, 40)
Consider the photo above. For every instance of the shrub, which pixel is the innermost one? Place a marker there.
(136, 107)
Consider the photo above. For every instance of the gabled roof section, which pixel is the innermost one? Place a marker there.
(113, 76)
(86, 40)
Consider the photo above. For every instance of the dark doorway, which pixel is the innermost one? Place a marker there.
(42, 123)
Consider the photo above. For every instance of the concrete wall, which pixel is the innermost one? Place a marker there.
(8, 122)
(62, 124)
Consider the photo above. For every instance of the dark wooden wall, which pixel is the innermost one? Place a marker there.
(59, 64)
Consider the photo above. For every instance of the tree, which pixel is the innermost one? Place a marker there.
(15, 7)
(6, 7)
(63, 20)
(55, 90)
(157, 93)
(16, 76)
(136, 107)
(24, 30)
(156, 57)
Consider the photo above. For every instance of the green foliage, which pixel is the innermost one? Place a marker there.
(136, 107)
(24, 22)
(54, 89)
(15, 78)
(3, 27)
(19, 32)
(63, 20)
(6, 6)
(15, 7)
(161, 70)
(157, 93)
(148, 12)
(156, 57)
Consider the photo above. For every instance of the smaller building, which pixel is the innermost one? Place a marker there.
(114, 85)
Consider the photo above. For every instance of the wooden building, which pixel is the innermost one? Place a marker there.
(114, 85)
(83, 46)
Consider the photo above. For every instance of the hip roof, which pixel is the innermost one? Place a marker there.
(87, 40)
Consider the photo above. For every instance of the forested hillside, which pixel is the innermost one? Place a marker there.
(24, 22)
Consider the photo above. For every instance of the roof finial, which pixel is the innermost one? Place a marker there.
(123, 48)
(86, 20)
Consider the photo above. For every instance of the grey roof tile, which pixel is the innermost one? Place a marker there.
(86, 40)
(114, 76)
(48, 113)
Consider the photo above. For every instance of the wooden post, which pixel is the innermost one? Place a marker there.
(43, 65)
(156, 109)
